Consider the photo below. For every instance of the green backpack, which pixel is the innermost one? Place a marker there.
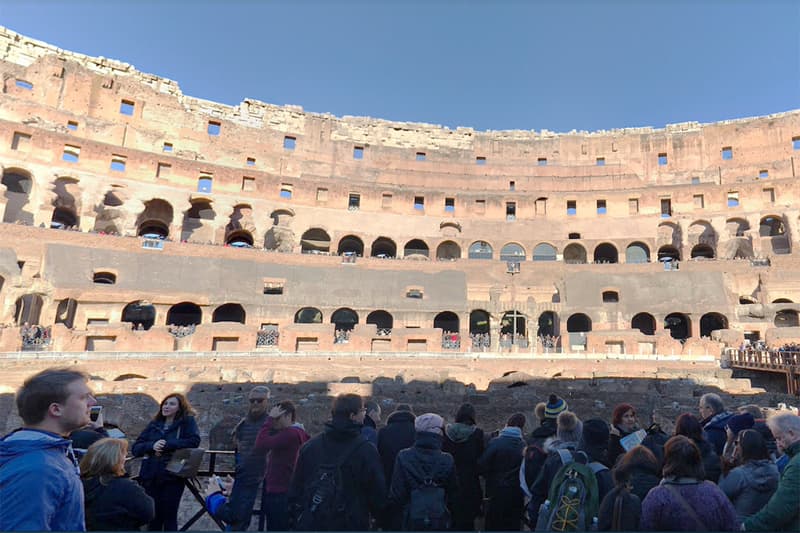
(574, 498)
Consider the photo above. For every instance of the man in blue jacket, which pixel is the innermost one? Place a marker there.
(40, 484)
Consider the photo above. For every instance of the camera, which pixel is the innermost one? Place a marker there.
(94, 412)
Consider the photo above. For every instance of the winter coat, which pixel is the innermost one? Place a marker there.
(119, 504)
(182, 433)
(398, 434)
(541, 487)
(664, 511)
(413, 466)
(245, 434)
(465, 443)
(546, 429)
(711, 462)
(630, 513)
(644, 478)
(283, 446)
(370, 430)
(714, 430)
(750, 486)
(40, 485)
(782, 512)
(615, 449)
(362, 473)
(500, 462)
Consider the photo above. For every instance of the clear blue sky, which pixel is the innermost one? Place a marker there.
(557, 65)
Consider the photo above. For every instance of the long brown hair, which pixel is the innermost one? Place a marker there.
(184, 407)
(105, 459)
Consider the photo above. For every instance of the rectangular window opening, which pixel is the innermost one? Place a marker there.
(289, 143)
(322, 194)
(542, 161)
(20, 141)
(449, 205)
(419, 203)
(666, 208)
(163, 169)
(572, 207)
(601, 207)
(204, 184)
(71, 153)
(796, 143)
(358, 152)
(695, 180)
(727, 153)
(733, 199)
(480, 206)
(511, 210)
(286, 191)
(480, 160)
(601, 161)
(126, 107)
(386, 200)
(273, 286)
(512, 185)
(541, 206)
(167, 147)
(214, 128)
(118, 163)
(699, 201)
(662, 160)
(769, 195)
(248, 184)
(251, 161)
(763, 174)
(420, 156)
(354, 202)
(22, 84)
(633, 206)
(72, 125)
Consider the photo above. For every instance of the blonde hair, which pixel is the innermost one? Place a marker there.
(105, 459)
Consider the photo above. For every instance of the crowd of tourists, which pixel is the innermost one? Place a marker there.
(34, 335)
(721, 470)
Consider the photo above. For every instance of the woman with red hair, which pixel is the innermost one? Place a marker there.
(623, 423)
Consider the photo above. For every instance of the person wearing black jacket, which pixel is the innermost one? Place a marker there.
(173, 428)
(689, 426)
(464, 441)
(423, 463)
(398, 434)
(363, 484)
(112, 501)
(500, 464)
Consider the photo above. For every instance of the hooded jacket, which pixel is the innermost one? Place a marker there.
(362, 473)
(398, 434)
(500, 463)
(781, 513)
(465, 443)
(40, 485)
(120, 504)
(714, 431)
(750, 486)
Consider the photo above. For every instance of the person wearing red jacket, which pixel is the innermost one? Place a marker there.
(281, 437)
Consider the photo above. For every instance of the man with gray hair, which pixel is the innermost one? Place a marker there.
(714, 420)
(782, 511)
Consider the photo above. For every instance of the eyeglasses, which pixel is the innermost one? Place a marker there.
(256, 400)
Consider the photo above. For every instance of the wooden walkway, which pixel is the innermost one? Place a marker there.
(774, 361)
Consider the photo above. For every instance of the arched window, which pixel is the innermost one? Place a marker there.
(447, 321)
(140, 314)
(63, 217)
(416, 247)
(606, 253)
(308, 315)
(678, 325)
(479, 321)
(637, 252)
(771, 226)
(610, 297)
(711, 322)
(513, 323)
(184, 314)
(544, 252)
(548, 325)
(782, 301)
(240, 239)
(786, 318)
(344, 319)
(703, 251)
(668, 253)
(351, 245)
(644, 322)
(65, 313)
(575, 254)
(579, 323)
(18, 184)
(512, 252)
(448, 251)
(480, 250)
(156, 219)
(382, 320)
(27, 309)
(315, 241)
(104, 278)
(229, 313)
(384, 248)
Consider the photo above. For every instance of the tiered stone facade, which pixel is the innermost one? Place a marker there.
(266, 227)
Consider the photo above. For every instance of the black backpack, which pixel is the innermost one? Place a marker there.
(326, 501)
(427, 506)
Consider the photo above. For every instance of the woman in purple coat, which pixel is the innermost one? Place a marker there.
(683, 501)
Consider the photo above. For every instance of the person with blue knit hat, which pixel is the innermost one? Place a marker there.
(554, 407)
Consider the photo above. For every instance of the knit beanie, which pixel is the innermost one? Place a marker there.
(430, 423)
(595, 433)
(741, 422)
(554, 407)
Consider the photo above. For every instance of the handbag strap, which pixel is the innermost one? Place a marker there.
(675, 492)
